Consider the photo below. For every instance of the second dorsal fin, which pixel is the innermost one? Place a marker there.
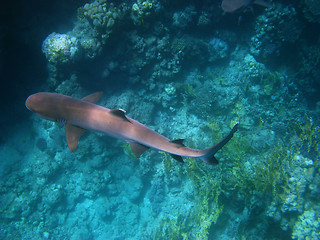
(178, 142)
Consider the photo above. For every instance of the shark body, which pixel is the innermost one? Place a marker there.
(80, 115)
(231, 6)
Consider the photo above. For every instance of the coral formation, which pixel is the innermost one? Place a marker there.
(184, 18)
(60, 48)
(308, 67)
(274, 29)
(307, 227)
(206, 211)
(311, 10)
(218, 49)
(103, 16)
(141, 10)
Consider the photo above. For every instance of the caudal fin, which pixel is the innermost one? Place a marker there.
(208, 154)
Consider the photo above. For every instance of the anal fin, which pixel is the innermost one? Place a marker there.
(73, 134)
(177, 157)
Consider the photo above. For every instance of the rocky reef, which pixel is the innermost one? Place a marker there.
(274, 29)
(311, 10)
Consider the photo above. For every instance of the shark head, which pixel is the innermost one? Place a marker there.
(39, 103)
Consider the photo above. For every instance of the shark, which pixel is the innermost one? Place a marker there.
(231, 6)
(79, 115)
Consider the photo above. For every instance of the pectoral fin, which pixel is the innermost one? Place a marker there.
(73, 135)
(138, 148)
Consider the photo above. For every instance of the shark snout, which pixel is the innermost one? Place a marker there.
(27, 104)
(34, 101)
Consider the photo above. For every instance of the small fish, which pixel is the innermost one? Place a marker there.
(80, 115)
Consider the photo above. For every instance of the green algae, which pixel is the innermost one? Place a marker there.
(207, 189)
(171, 229)
(265, 177)
(270, 82)
(128, 150)
(207, 209)
(189, 90)
(308, 132)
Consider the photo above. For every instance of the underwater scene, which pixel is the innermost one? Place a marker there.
(237, 80)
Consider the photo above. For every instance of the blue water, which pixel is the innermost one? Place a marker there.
(186, 70)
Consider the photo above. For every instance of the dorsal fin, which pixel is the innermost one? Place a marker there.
(178, 141)
(120, 113)
(93, 98)
(73, 135)
(138, 148)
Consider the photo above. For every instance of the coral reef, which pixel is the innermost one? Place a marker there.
(308, 67)
(156, 52)
(103, 16)
(184, 18)
(218, 49)
(307, 227)
(96, 21)
(311, 10)
(274, 29)
(204, 213)
(157, 195)
(142, 10)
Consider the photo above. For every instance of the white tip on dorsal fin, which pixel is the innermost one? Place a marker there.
(120, 113)
(73, 135)
(93, 98)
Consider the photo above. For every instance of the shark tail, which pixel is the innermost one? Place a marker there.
(208, 154)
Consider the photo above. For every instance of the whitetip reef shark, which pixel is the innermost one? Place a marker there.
(231, 6)
(80, 115)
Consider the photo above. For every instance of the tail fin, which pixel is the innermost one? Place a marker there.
(208, 154)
